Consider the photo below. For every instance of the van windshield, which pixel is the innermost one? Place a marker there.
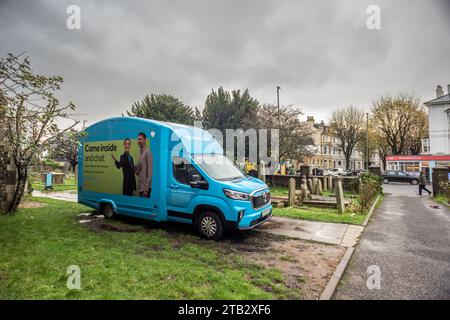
(218, 166)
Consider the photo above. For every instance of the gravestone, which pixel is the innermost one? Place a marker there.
(314, 191)
(325, 184)
(330, 183)
(339, 191)
(304, 193)
(262, 171)
(319, 187)
(440, 180)
(291, 193)
(310, 186)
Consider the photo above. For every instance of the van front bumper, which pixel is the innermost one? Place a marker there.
(251, 219)
(256, 222)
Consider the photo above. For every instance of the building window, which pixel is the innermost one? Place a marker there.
(426, 146)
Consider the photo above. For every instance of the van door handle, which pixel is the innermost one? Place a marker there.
(173, 186)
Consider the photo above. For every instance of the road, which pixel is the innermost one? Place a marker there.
(408, 241)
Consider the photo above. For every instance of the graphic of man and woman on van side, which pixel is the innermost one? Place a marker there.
(143, 169)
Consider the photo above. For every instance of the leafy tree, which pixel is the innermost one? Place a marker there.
(224, 110)
(400, 122)
(164, 107)
(294, 135)
(66, 146)
(31, 111)
(348, 126)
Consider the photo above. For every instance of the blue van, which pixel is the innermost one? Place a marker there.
(167, 172)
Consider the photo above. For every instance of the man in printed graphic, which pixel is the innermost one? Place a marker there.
(144, 168)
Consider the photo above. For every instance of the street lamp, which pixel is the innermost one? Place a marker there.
(279, 121)
(278, 104)
(367, 141)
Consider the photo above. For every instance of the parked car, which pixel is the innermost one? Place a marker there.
(399, 176)
(334, 172)
(353, 172)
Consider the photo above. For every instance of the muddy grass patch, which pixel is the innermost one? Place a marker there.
(27, 204)
(306, 267)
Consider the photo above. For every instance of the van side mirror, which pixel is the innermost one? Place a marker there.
(198, 183)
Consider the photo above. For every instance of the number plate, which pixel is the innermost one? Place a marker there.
(265, 212)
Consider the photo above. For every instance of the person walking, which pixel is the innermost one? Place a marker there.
(423, 183)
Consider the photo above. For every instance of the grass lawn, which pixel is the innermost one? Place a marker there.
(40, 243)
(319, 214)
(442, 199)
(70, 183)
(314, 213)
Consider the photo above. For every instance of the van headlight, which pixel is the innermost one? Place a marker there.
(236, 195)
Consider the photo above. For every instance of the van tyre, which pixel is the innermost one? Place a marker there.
(108, 211)
(209, 225)
(414, 182)
(385, 180)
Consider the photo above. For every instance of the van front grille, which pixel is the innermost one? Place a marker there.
(261, 200)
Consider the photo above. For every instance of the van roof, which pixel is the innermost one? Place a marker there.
(187, 134)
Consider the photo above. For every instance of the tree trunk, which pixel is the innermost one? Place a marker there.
(22, 175)
(347, 162)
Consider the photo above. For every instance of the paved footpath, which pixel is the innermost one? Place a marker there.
(410, 243)
(58, 195)
(326, 232)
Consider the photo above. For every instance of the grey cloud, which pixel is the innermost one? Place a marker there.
(319, 52)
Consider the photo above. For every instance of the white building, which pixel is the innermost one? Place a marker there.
(438, 120)
(436, 149)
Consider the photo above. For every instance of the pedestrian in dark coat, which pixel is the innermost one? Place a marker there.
(127, 165)
(423, 183)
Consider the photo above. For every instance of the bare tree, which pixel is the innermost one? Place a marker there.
(372, 148)
(399, 119)
(348, 126)
(418, 131)
(294, 135)
(30, 114)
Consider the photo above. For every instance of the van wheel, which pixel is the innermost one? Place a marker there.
(414, 182)
(385, 180)
(108, 211)
(209, 225)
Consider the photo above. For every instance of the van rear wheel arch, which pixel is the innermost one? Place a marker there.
(107, 210)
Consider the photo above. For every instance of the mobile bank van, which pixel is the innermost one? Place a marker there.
(167, 172)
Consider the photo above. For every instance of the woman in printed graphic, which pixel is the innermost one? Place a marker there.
(127, 165)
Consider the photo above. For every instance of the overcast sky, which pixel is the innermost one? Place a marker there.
(321, 53)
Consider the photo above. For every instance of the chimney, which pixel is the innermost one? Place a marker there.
(439, 91)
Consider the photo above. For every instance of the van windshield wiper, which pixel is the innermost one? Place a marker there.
(230, 178)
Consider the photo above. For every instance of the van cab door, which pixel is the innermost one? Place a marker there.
(179, 189)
